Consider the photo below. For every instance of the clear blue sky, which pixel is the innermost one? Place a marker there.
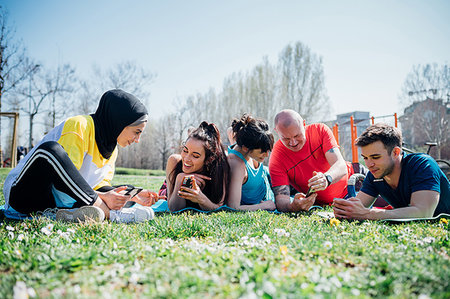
(368, 47)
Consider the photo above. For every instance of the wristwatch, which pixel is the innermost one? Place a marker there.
(329, 179)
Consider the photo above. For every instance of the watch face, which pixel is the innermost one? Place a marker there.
(329, 179)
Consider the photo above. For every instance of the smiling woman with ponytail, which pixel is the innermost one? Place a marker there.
(203, 157)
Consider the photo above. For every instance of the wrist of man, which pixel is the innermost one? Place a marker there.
(329, 179)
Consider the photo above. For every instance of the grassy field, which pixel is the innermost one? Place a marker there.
(224, 255)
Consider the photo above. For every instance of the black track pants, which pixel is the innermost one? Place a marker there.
(49, 166)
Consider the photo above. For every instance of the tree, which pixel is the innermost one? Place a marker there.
(302, 85)
(426, 96)
(126, 75)
(13, 63)
(43, 85)
(61, 83)
(426, 81)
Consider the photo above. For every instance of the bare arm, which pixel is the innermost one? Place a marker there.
(423, 203)
(283, 200)
(337, 170)
(238, 173)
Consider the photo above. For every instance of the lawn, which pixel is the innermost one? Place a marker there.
(224, 255)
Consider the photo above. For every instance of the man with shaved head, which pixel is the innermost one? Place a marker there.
(306, 158)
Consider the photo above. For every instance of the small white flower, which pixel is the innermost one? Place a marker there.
(269, 288)
(11, 235)
(20, 290)
(170, 242)
(328, 245)
(423, 296)
(355, 292)
(76, 289)
(31, 292)
(71, 230)
(429, 240)
(50, 226)
(134, 278)
(266, 238)
(281, 232)
(10, 228)
(20, 237)
(114, 245)
(46, 231)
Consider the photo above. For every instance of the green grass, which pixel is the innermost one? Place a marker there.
(134, 171)
(225, 255)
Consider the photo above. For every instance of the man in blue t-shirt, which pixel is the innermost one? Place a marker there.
(413, 184)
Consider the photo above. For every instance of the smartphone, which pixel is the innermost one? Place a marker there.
(188, 181)
(310, 191)
(133, 191)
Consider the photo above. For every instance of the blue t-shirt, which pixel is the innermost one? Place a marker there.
(419, 172)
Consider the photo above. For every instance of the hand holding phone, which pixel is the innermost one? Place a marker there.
(133, 191)
(188, 181)
(310, 191)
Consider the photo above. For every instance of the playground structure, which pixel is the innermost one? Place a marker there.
(354, 134)
(13, 158)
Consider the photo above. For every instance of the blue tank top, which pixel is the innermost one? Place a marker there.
(257, 187)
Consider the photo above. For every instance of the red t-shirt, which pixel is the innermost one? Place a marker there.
(296, 168)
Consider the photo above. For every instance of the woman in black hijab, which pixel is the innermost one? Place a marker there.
(73, 165)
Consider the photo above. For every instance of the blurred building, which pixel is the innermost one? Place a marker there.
(361, 120)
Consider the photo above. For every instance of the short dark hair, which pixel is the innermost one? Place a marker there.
(390, 136)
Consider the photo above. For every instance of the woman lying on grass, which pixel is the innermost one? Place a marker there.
(72, 166)
(203, 157)
(250, 187)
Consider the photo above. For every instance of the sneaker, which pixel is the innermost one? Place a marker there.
(49, 213)
(82, 214)
(132, 215)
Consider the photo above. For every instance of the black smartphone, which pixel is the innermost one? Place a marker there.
(133, 191)
(310, 191)
(188, 181)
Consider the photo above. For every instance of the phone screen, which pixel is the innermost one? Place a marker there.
(310, 191)
(133, 192)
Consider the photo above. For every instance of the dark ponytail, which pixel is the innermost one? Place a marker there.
(252, 133)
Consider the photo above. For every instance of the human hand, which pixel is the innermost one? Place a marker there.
(201, 179)
(114, 199)
(302, 203)
(318, 182)
(193, 194)
(147, 198)
(351, 208)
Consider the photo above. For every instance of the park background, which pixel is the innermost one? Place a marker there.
(203, 60)
(209, 60)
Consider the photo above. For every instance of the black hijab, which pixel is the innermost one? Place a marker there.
(117, 109)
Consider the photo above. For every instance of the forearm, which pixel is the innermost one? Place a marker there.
(400, 213)
(282, 198)
(208, 205)
(283, 203)
(264, 205)
(337, 171)
(176, 203)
